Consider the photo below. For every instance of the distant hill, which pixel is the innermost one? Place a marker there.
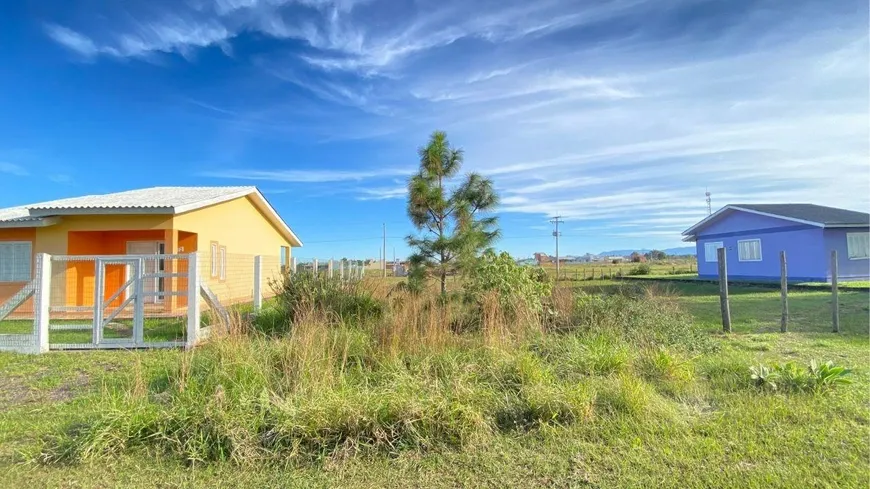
(683, 251)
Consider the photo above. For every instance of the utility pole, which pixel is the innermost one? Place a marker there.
(556, 220)
(385, 250)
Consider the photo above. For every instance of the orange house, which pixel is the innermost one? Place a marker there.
(226, 225)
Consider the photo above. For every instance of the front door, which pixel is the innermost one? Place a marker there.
(151, 267)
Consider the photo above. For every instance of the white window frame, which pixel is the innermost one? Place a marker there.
(223, 271)
(715, 257)
(15, 279)
(214, 260)
(849, 237)
(753, 240)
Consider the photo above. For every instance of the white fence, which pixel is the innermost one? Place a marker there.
(129, 301)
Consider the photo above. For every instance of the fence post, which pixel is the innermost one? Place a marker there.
(258, 277)
(293, 265)
(41, 301)
(330, 267)
(835, 300)
(315, 268)
(341, 270)
(193, 309)
(723, 290)
(783, 286)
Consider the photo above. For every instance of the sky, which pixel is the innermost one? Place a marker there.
(615, 114)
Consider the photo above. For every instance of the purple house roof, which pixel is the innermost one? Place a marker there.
(814, 215)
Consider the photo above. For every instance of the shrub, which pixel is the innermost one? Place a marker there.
(348, 300)
(642, 269)
(501, 275)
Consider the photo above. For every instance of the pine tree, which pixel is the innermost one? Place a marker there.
(453, 232)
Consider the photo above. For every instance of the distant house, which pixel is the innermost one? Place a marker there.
(755, 234)
(542, 258)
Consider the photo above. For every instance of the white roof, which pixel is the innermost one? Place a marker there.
(154, 200)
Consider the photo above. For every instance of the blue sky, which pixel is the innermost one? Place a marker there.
(615, 114)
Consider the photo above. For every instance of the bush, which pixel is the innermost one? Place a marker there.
(500, 274)
(301, 293)
(642, 269)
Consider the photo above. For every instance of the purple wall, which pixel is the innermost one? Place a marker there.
(803, 244)
(738, 221)
(835, 239)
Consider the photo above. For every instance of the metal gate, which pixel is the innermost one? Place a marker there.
(123, 301)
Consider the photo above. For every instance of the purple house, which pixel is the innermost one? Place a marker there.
(754, 234)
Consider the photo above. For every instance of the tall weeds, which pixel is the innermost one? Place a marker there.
(354, 367)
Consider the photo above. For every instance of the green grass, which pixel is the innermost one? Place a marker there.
(155, 329)
(577, 410)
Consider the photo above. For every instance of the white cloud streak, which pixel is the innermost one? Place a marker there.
(13, 169)
(305, 176)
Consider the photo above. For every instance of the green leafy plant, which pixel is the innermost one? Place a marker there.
(642, 269)
(827, 375)
(790, 377)
(501, 274)
(764, 377)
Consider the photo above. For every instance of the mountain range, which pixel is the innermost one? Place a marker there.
(682, 251)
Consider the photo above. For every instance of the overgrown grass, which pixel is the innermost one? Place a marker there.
(615, 387)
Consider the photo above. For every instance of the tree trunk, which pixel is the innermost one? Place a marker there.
(443, 282)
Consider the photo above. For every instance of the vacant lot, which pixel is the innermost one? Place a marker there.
(598, 406)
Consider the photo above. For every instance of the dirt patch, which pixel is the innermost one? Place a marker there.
(16, 391)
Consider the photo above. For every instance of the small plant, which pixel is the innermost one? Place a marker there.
(642, 269)
(815, 378)
(764, 377)
(827, 375)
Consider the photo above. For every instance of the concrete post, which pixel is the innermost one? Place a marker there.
(258, 281)
(293, 265)
(330, 267)
(193, 308)
(315, 267)
(41, 301)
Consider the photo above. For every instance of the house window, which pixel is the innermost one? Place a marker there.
(858, 245)
(710, 253)
(214, 259)
(223, 274)
(15, 265)
(285, 257)
(749, 250)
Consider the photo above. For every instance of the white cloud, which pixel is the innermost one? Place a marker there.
(305, 176)
(383, 193)
(13, 169)
(75, 41)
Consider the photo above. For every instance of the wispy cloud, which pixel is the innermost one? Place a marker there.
(13, 169)
(383, 193)
(305, 176)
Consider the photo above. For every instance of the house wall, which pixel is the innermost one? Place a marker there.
(804, 246)
(835, 239)
(8, 289)
(245, 232)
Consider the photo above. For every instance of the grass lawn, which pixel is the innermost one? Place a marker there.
(714, 431)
